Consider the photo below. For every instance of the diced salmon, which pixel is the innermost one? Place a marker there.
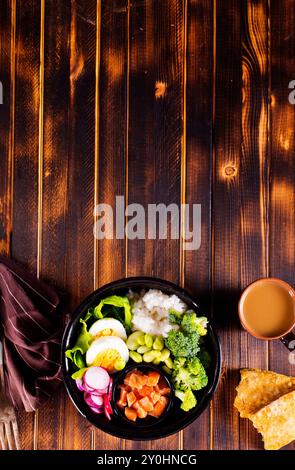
(136, 405)
(141, 413)
(153, 378)
(127, 380)
(155, 396)
(124, 387)
(131, 398)
(159, 407)
(130, 413)
(164, 391)
(146, 404)
(122, 401)
(145, 391)
(137, 380)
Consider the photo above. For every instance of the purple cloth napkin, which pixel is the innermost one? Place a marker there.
(30, 330)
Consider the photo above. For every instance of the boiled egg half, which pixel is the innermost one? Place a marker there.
(108, 327)
(109, 352)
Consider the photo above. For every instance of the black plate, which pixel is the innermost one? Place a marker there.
(176, 419)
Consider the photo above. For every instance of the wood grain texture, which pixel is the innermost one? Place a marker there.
(112, 104)
(226, 211)
(253, 177)
(199, 110)
(112, 107)
(77, 433)
(7, 27)
(54, 174)
(155, 134)
(25, 204)
(282, 171)
(160, 102)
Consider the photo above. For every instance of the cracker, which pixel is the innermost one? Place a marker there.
(258, 388)
(276, 422)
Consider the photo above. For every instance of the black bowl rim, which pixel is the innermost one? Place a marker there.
(126, 283)
(141, 424)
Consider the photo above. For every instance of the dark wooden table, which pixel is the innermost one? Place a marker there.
(159, 101)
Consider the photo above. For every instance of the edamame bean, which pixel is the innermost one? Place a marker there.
(148, 340)
(150, 356)
(158, 343)
(156, 362)
(135, 356)
(141, 340)
(119, 364)
(143, 349)
(165, 353)
(132, 340)
(169, 363)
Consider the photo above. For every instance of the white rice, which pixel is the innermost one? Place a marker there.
(150, 311)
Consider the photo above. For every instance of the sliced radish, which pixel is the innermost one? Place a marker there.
(88, 400)
(88, 389)
(98, 401)
(107, 408)
(80, 386)
(98, 411)
(110, 388)
(96, 378)
(98, 393)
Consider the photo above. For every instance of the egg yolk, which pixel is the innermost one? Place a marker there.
(106, 332)
(107, 359)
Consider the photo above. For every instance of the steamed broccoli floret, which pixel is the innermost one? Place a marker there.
(188, 399)
(178, 362)
(191, 323)
(175, 317)
(199, 376)
(182, 345)
(189, 375)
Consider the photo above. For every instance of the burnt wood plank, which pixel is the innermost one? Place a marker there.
(226, 209)
(112, 106)
(155, 136)
(77, 432)
(282, 171)
(54, 175)
(239, 200)
(197, 263)
(7, 27)
(25, 204)
(254, 179)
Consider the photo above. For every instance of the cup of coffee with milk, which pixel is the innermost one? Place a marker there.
(267, 311)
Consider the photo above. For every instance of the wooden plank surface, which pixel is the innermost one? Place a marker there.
(199, 128)
(54, 180)
(7, 29)
(79, 270)
(111, 146)
(155, 136)
(226, 210)
(26, 153)
(160, 102)
(282, 171)
(253, 175)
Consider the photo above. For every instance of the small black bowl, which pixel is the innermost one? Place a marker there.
(176, 419)
(149, 420)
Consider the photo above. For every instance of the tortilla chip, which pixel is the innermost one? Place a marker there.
(276, 422)
(258, 388)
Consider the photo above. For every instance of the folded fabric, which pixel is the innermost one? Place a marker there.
(30, 330)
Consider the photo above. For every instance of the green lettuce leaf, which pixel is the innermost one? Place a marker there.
(115, 301)
(79, 373)
(82, 345)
